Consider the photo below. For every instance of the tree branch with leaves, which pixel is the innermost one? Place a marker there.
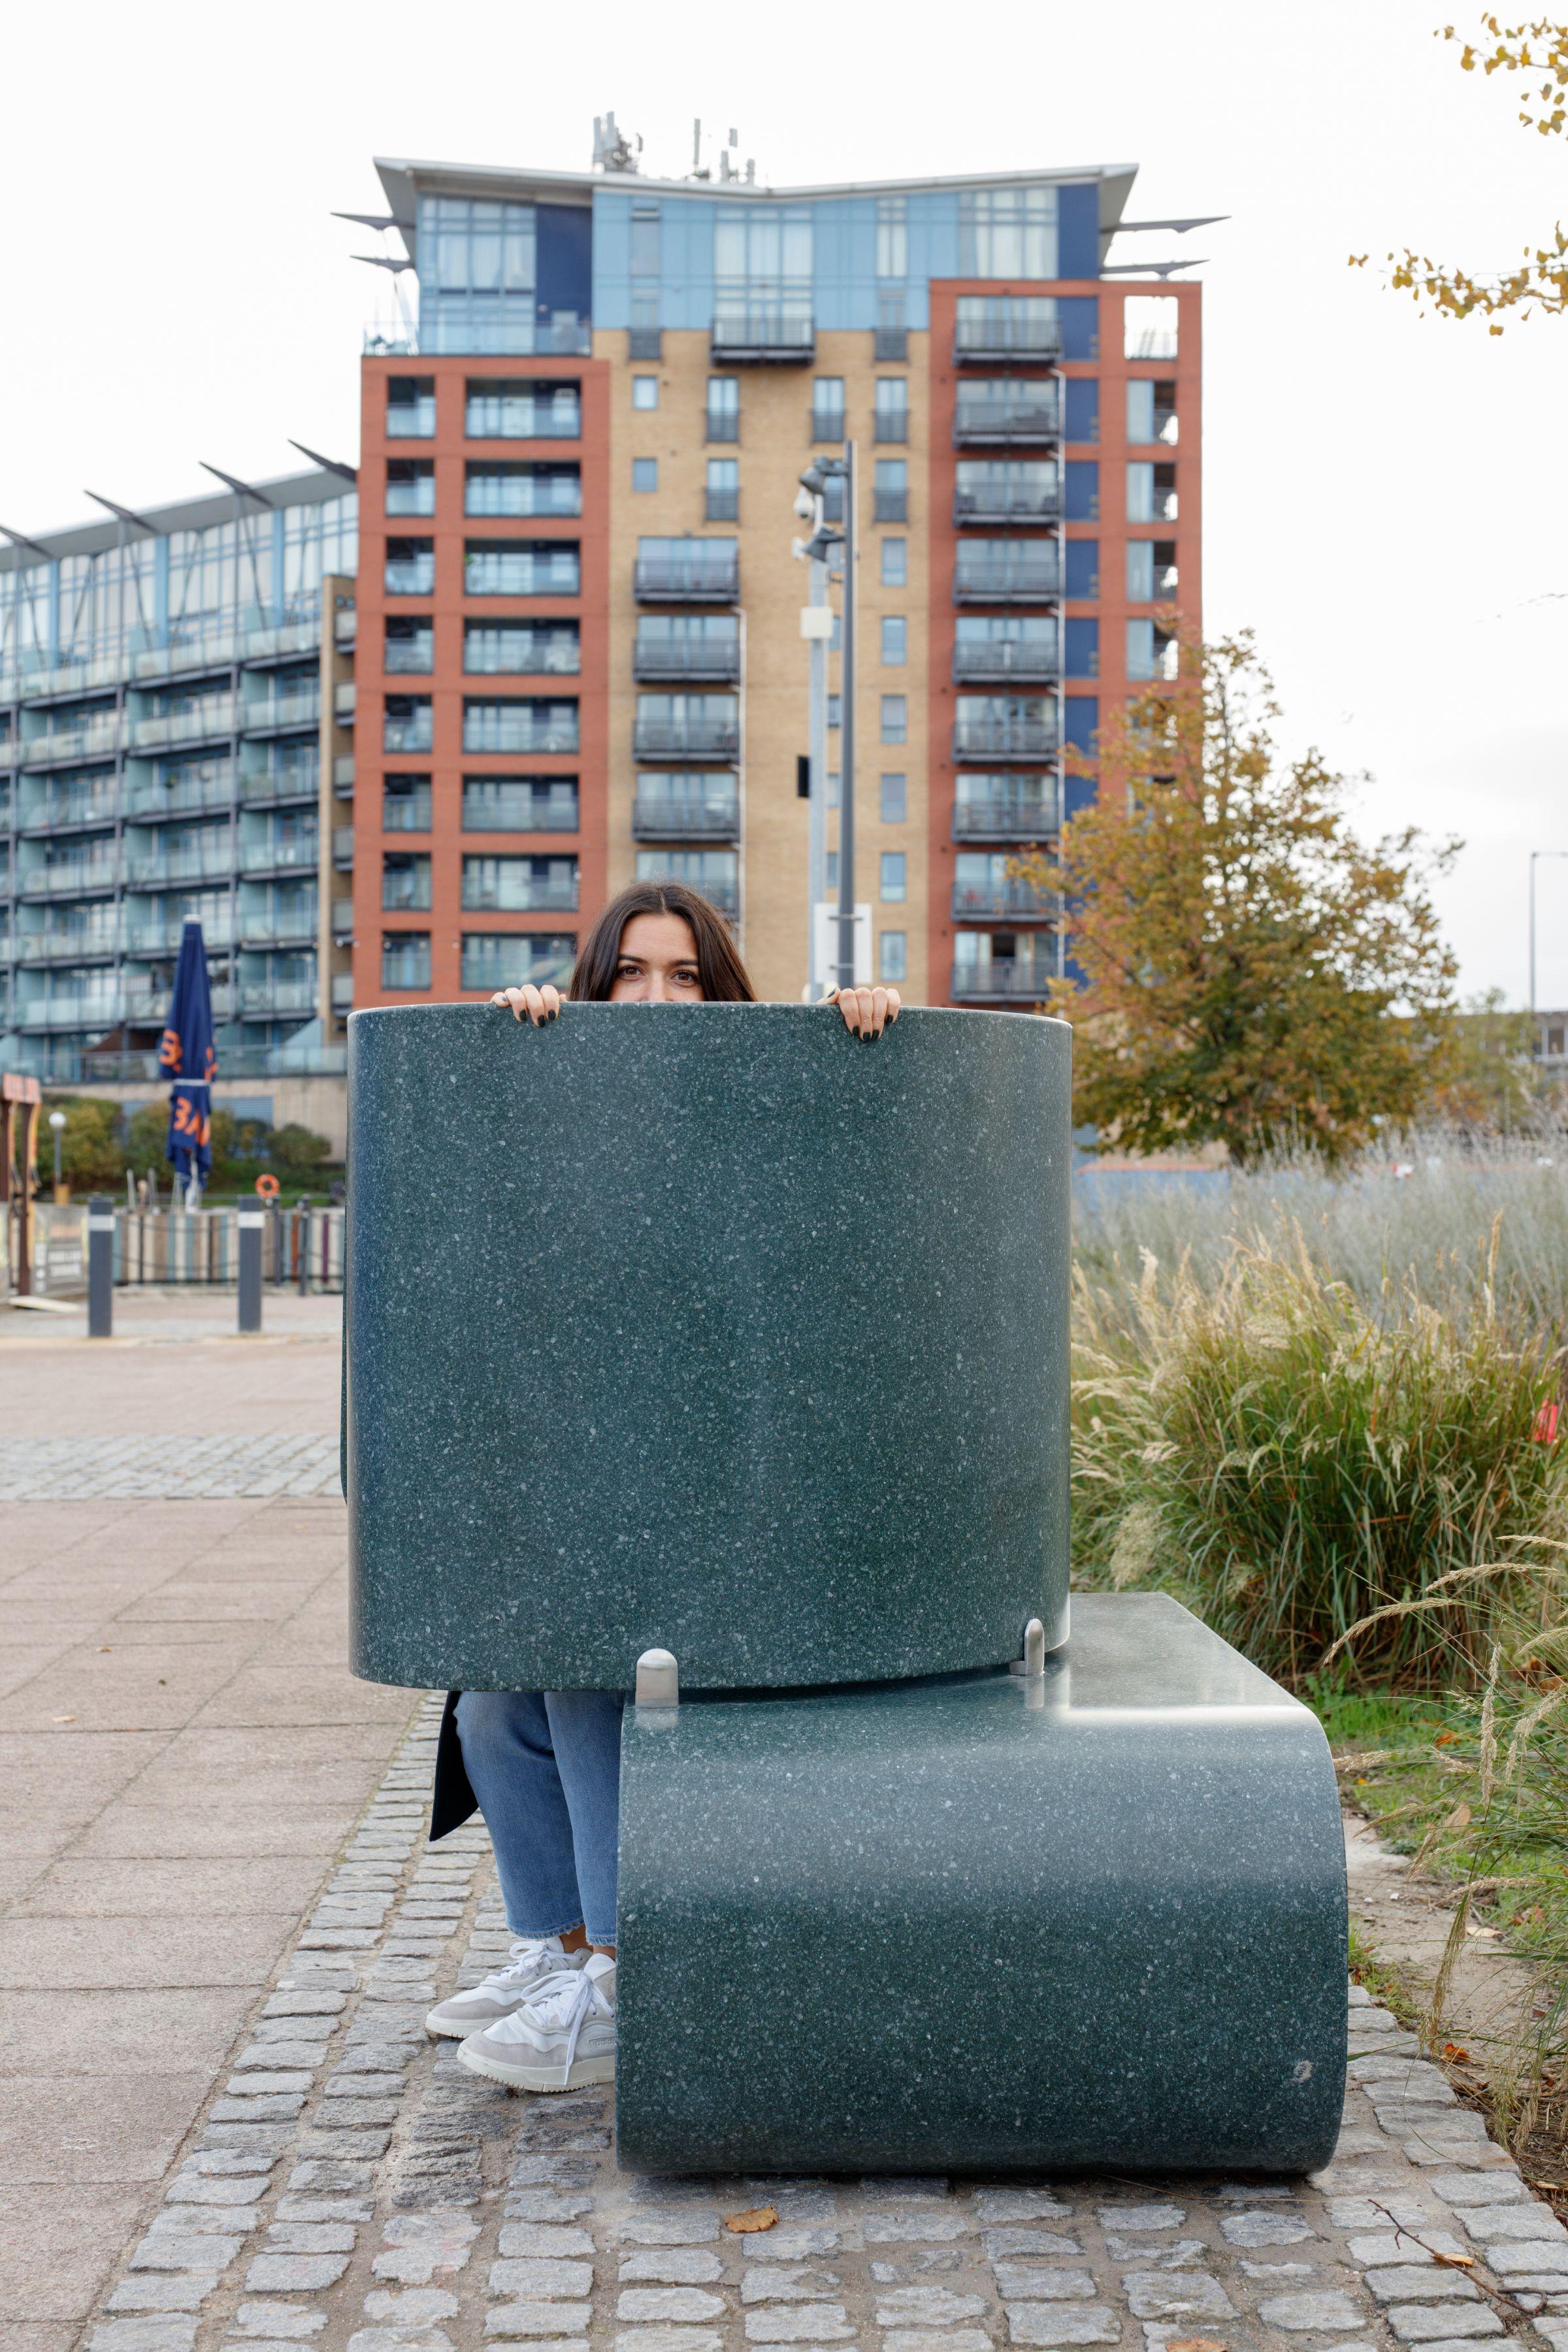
(1244, 955)
(1540, 283)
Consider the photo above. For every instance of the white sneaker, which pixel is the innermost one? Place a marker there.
(528, 1965)
(561, 2036)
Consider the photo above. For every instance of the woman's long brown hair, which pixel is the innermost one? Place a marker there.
(725, 978)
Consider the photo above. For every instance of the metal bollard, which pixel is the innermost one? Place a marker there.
(252, 1223)
(304, 1231)
(99, 1267)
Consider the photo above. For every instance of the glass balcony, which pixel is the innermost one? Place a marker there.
(688, 579)
(1018, 574)
(1006, 415)
(978, 660)
(524, 893)
(1006, 501)
(188, 795)
(68, 1013)
(687, 808)
(168, 869)
(64, 947)
(261, 997)
(691, 735)
(411, 575)
(158, 934)
(521, 727)
(1003, 329)
(411, 731)
(697, 656)
(343, 848)
(1005, 735)
(302, 707)
(67, 880)
(281, 856)
(1006, 808)
(279, 926)
(269, 787)
(1009, 900)
(342, 992)
(1004, 980)
(342, 922)
(94, 739)
(100, 805)
(762, 331)
(214, 717)
(343, 775)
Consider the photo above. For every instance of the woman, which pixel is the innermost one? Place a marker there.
(543, 1767)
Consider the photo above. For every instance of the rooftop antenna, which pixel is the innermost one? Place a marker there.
(613, 152)
(697, 171)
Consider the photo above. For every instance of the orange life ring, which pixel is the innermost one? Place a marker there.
(268, 1187)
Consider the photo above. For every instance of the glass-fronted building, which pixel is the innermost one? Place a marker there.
(175, 697)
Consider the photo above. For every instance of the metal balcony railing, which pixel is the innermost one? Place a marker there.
(889, 343)
(264, 996)
(342, 922)
(86, 743)
(162, 936)
(890, 424)
(415, 578)
(542, 895)
(190, 796)
(344, 847)
(721, 424)
(767, 332)
(686, 739)
(163, 872)
(1005, 738)
(1007, 502)
(343, 775)
(721, 506)
(281, 710)
(408, 735)
(890, 506)
(825, 424)
(1001, 982)
(1010, 901)
(705, 817)
(998, 336)
(86, 808)
(523, 740)
(1025, 658)
(695, 657)
(1027, 576)
(665, 579)
(1030, 413)
(342, 992)
(1024, 816)
(68, 1013)
(275, 927)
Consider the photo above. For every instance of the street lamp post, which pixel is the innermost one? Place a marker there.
(814, 485)
(1534, 855)
(58, 1123)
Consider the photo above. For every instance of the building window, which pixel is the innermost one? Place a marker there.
(832, 788)
(410, 567)
(1148, 327)
(1151, 652)
(891, 499)
(895, 640)
(831, 861)
(724, 491)
(494, 960)
(1151, 410)
(893, 237)
(762, 275)
(520, 803)
(892, 955)
(835, 711)
(895, 718)
(716, 873)
(405, 958)
(892, 877)
(520, 725)
(498, 488)
(476, 279)
(1151, 492)
(405, 805)
(723, 408)
(404, 882)
(895, 563)
(894, 802)
(892, 416)
(1007, 233)
(410, 407)
(520, 567)
(827, 408)
(645, 392)
(645, 473)
(410, 486)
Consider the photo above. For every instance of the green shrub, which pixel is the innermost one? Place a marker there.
(1290, 1459)
(90, 1156)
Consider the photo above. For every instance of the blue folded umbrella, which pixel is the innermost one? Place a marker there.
(187, 1053)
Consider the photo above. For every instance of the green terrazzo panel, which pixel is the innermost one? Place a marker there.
(975, 1925)
(707, 1328)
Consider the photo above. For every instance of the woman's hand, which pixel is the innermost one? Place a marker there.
(540, 1004)
(866, 1011)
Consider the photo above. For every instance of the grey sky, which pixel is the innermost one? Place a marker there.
(1385, 495)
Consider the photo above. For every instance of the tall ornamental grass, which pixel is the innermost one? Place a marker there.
(1290, 1451)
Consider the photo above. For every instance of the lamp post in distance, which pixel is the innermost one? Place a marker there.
(811, 508)
(58, 1122)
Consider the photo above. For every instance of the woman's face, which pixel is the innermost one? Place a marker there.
(658, 963)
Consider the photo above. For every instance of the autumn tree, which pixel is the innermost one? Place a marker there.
(1539, 52)
(1243, 954)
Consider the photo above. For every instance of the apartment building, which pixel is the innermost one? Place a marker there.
(580, 655)
(176, 700)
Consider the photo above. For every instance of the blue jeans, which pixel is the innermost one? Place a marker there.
(546, 1768)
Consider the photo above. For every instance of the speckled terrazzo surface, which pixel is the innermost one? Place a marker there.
(940, 1927)
(705, 1327)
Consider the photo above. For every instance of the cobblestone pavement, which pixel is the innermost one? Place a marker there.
(350, 2186)
(74, 1469)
